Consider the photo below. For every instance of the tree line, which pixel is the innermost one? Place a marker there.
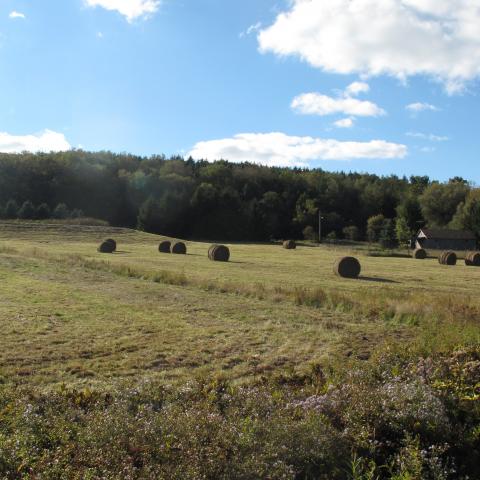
(228, 201)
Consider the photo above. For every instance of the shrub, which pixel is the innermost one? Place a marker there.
(61, 211)
(309, 233)
(11, 209)
(27, 211)
(43, 211)
(351, 233)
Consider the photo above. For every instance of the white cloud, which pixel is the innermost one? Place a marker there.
(356, 88)
(46, 141)
(15, 14)
(427, 136)
(251, 29)
(344, 123)
(428, 149)
(401, 38)
(421, 107)
(130, 9)
(318, 104)
(279, 149)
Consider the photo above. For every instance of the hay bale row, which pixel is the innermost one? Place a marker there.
(447, 258)
(347, 267)
(420, 254)
(179, 248)
(219, 253)
(472, 259)
(289, 244)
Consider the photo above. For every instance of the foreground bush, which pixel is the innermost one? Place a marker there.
(390, 418)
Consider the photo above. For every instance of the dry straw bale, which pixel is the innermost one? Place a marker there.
(219, 253)
(420, 254)
(472, 259)
(106, 247)
(289, 244)
(112, 242)
(164, 246)
(210, 248)
(347, 267)
(447, 258)
(179, 248)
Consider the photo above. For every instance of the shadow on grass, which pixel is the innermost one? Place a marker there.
(377, 279)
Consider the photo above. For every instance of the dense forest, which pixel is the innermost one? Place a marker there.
(228, 201)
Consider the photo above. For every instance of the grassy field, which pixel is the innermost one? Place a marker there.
(72, 315)
(141, 365)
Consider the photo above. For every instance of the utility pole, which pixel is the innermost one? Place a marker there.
(319, 226)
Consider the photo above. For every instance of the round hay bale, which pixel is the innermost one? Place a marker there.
(448, 258)
(165, 246)
(219, 253)
(472, 259)
(112, 242)
(210, 248)
(420, 254)
(347, 267)
(106, 247)
(178, 248)
(289, 244)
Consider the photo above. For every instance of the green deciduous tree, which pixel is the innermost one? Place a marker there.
(149, 216)
(402, 231)
(409, 209)
(467, 216)
(388, 237)
(374, 227)
(439, 202)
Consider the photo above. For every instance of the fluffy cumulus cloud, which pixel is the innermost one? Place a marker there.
(16, 14)
(279, 149)
(356, 88)
(344, 123)
(130, 9)
(402, 38)
(318, 104)
(46, 141)
(421, 107)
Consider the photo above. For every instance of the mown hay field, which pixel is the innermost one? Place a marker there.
(72, 315)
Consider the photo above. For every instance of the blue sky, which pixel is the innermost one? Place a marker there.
(317, 83)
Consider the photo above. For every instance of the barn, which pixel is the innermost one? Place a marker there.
(437, 239)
